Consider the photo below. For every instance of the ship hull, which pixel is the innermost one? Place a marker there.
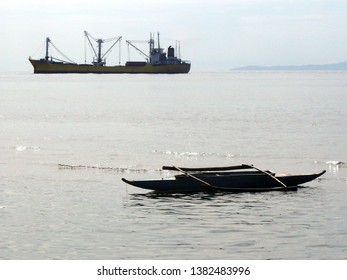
(47, 67)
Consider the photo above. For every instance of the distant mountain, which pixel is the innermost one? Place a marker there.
(336, 66)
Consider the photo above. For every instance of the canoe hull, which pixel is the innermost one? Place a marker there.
(252, 182)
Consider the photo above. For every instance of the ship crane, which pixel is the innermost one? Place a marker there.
(132, 42)
(50, 43)
(100, 59)
(156, 55)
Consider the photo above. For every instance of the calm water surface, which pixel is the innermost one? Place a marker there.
(67, 140)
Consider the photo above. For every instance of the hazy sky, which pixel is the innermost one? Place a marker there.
(215, 35)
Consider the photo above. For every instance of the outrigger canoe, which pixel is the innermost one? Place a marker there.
(228, 179)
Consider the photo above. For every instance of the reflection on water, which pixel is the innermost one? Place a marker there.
(238, 225)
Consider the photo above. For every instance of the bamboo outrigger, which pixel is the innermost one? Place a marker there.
(228, 179)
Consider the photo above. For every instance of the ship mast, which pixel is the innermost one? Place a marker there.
(158, 42)
(99, 59)
(47, 45)
(151, 46)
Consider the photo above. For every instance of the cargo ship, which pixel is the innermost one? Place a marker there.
(156, 62)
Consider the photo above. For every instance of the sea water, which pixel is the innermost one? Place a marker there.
(67, 140)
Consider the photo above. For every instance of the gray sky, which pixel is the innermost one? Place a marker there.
(216, 35)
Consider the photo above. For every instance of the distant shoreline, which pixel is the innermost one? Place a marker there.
(310, 67)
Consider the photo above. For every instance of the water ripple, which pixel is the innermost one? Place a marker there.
(179, 154)
(105, 168)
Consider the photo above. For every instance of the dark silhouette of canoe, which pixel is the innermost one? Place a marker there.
(228, 179)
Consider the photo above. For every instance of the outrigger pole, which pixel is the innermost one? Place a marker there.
(243, 166)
